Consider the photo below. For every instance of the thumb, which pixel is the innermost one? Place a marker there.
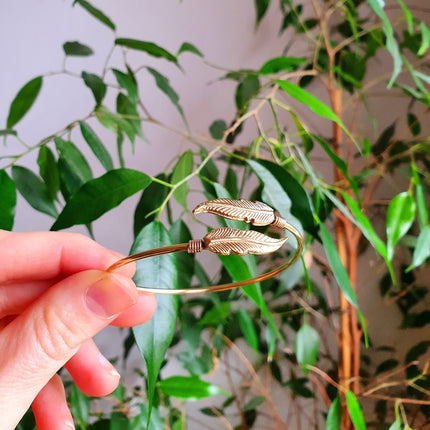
(43, 338)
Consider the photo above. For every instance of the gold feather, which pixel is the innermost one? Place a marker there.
(256, 213)
(240, 242)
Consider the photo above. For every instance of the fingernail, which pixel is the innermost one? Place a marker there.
(106, 364)
(111, 295)
(69, 425)
(67, 419)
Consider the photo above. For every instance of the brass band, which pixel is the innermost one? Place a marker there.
(225, 241)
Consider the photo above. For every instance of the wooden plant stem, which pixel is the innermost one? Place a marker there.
(349, 336)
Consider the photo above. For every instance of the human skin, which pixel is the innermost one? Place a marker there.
(55, 295)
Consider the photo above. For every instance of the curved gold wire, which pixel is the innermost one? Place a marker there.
(219, 239)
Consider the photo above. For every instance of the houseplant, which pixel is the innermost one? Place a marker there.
(309, 332)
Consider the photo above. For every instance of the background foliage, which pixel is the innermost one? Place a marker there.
(295, 351)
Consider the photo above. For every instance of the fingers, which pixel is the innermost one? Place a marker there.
(47, 334)
(92, 372)
(16, 297)
(50, 407)
(139, 313)
(41, 255)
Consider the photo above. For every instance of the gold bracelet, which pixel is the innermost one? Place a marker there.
(225, 241)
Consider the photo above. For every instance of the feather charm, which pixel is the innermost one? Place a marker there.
(240, 242)
(255, 213)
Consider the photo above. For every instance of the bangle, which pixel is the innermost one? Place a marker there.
(225, 241)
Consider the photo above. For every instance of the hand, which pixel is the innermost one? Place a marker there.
(54, 296)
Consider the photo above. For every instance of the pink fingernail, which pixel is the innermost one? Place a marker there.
(110, 296)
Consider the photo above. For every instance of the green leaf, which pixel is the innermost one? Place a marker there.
(306, 347)
(274, 193)
(182, 169)
(352, 69)
(334, 415)
(154, 337)
(408, 16)
(76, 49)
(70, 182)
(311, 102)
(189, 387)
(391, 44)
(422, 249)
(23, 101)
(151, 199)
(79, 406)
(148, 47)
(299, 388)
(230, 183)
(96, 13)
(128, 111)
(420, 198)
(386, 366)
(7, 201)
(400, 216)
(300, 204)
(261, 7)
(425, 39)
(217, 129)
(119, 392)
(281, 64)
(355, 411)
(115, 123)
(337, 267)
(247, 327)
(188, 47)
(366, 147)
(305, 136)
(140, 421)
(180, 233)
(96, 85)
(397, 425)
(48, 170)
(341, 275)
(27, 421)
(164, 85)
(254, 403)
(413, 124)
(362, 223)
(96, 145)
(245, 91)
(365, 226)
(119, 421)
(99, 196)
(34, 190)
(128, 83)
(74, 159)
(292, 17)
(271, 336)
(215, 315)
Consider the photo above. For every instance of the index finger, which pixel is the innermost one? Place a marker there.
(47, 255)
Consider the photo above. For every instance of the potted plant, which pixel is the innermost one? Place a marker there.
(358, 190)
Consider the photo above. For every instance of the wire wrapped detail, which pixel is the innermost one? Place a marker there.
(225, 241)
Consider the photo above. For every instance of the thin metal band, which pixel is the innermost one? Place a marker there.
(279, 222)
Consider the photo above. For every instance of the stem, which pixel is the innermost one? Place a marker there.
(349, 345)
